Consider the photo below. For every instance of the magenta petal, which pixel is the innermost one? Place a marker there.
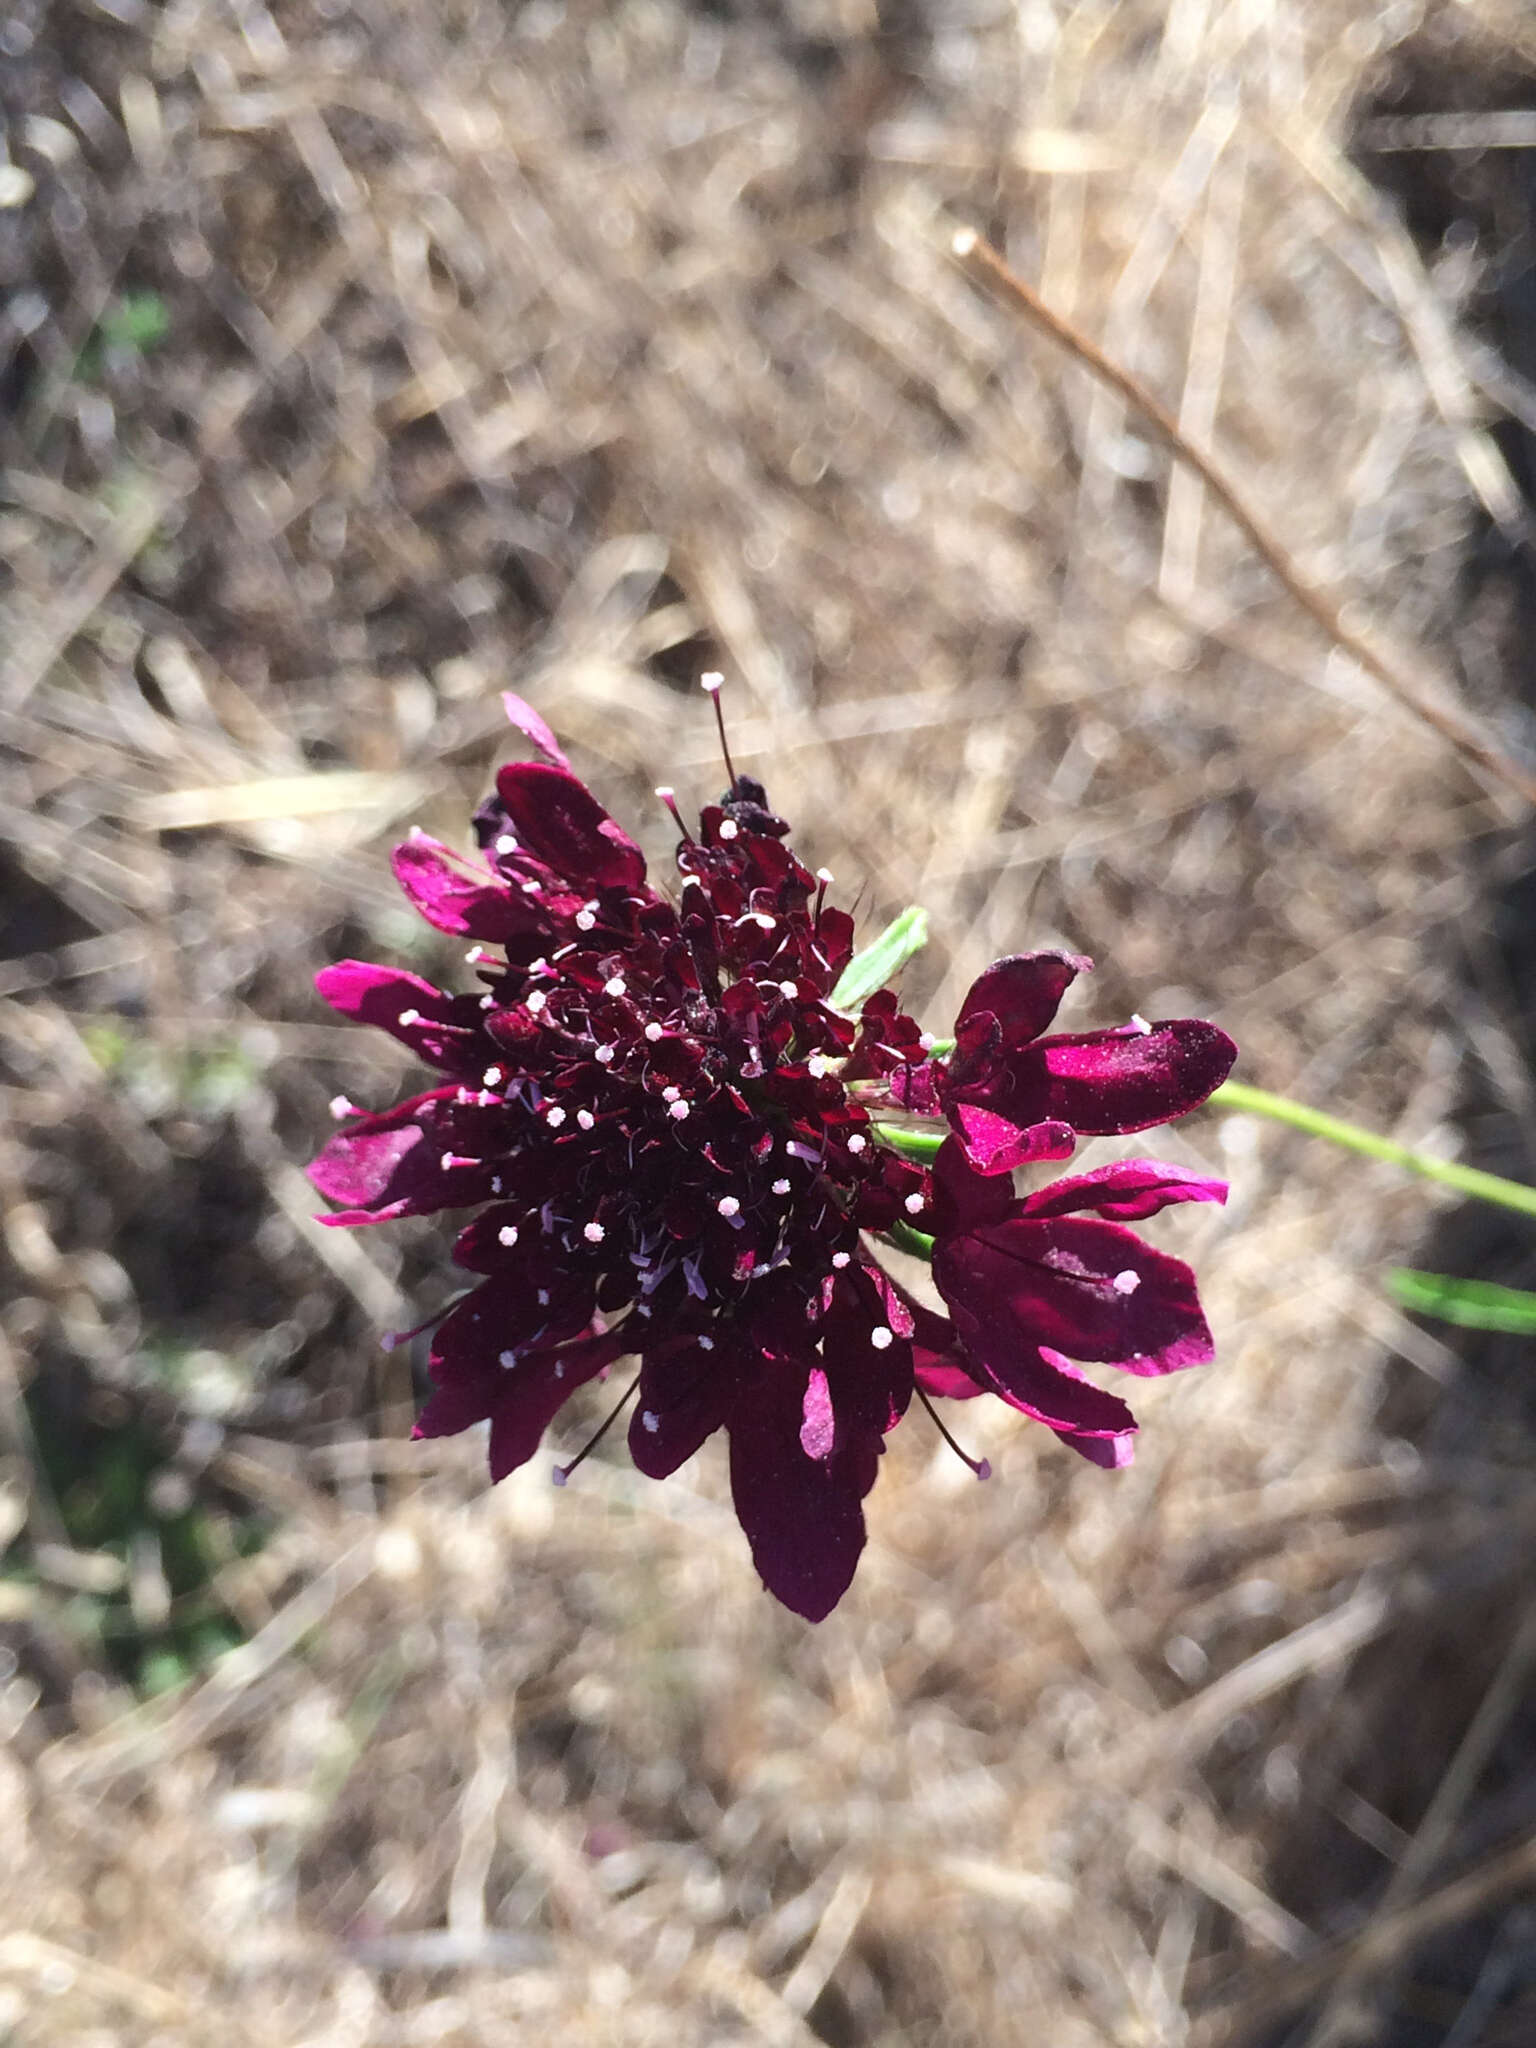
(994, 1144)
(917, 1088)
(531, 726)
(392, 1165)
(560, 821)
(436, 1027)
(802, 1515)
(1022, 992)
(1113, 1453)
(1125, 1191)
(456, 902)
(1127, 1080)
(1089, 1289)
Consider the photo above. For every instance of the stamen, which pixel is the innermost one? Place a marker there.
(841, 1259)
(507, 1235)
(790, 989)
(1126, 1282)
(728, 1206)
(728, 828)
(881, 1337)
(615, 986)
(858, 1143)
(781, 1187)
(409, 1017)
(669, 798)
(563, 1472)
(653, 1032)
(554, 1117)
(506, 843)
(679, 1110)
(594, 1233)
(585, 1118)
(604, 1055)
(340, 1107)
(536, 999)
(711, 683)
(980, 1466)
(913, 1205)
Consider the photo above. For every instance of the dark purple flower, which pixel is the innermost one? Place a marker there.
(667, 1129)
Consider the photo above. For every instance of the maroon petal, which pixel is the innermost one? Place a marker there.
(1124, 1080)
(966, 1196)
(531, 726)
(1040, 1382)
(456, 902)
(1125, 1191)
(995, 1144)
(1023, 993)
(1089, 1289)
(917, 1088)
(564, 825)
(802, 1514)
(686, 1390)
(537, 1387)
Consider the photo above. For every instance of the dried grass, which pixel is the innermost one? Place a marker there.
(587, 347)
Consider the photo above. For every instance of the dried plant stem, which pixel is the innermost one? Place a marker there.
(984, 263)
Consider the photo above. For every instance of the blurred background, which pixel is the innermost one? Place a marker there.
(359, 358)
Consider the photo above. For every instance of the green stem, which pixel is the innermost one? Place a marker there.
(906, 1239)
(1467, 1180)
(919, 1146)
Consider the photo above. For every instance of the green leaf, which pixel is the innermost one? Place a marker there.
(881, 958)
(1472, 1304)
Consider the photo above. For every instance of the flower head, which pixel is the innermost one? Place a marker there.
(667, 1128)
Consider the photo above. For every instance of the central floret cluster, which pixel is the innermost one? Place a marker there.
(670, 1134)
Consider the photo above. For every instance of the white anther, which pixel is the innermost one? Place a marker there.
(706, 1343)
(554, 1117)
(614, 987)
(409, 1017)
(507, 1360)
(816, 1066)
(728, 1206)
(536, 1000)
(670, 1094)
(711, 681)
(1126, 1282)
(824, 875)
(530, 887)
(881, 1337)
(340, 1107)
(507, 1235)
(491, 1077)
(1141, 1025)
(729, 828)
(679, 1110)
(604, 1055)
(594, 1233)
(781, 1187)
(585, 920)
(506, 843)
(543, 1297)
(858, 1142)
(665, 791)
(495, 1183)
(649, 1422)
(790, 989)
(653, 1031)
(913, 1205)
(841, 1259)
(585, 1118)
(487, 1002)
(475, 955)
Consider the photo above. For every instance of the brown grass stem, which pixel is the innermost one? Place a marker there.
(983, 262)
